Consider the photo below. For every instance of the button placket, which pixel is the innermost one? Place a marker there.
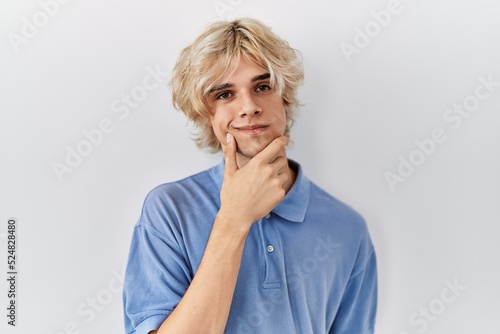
(274, 270)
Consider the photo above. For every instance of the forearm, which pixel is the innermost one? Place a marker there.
(206, 303)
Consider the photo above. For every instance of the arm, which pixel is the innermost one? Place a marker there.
(247, 195)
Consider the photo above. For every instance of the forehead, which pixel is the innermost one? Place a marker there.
(239, 69)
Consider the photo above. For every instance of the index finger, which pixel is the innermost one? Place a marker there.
(269, 153)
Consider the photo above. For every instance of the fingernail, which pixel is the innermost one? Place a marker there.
(228, 138)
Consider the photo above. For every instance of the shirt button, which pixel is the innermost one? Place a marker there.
(268, 215)
(270, 248)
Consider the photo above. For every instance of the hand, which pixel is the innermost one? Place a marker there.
(251, 192)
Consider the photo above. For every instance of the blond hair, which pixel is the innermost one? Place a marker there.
(215, 54)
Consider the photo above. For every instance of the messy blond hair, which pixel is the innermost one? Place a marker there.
(215, 54)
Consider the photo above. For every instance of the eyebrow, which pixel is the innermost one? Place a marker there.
(229, 85)
(261, 77)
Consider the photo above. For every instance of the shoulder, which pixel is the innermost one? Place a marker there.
(173, 200)
(184, 189)
(327, 203)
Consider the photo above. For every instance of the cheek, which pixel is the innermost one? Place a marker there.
(218, 128)
(219, 134)
(283, 117)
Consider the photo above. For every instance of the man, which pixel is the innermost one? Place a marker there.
(251, 245)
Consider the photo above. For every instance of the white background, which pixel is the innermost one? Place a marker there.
(440, 224)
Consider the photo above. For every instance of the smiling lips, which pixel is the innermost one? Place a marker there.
(252, 129)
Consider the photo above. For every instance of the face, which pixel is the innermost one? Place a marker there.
(248, 107)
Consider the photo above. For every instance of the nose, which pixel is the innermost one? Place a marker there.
(249, 106)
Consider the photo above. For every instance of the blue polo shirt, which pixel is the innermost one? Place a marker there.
(308, 267)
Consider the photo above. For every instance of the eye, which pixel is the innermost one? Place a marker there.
(263, 88)
(223, 96)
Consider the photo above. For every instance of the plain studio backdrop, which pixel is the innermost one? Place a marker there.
(400, 119)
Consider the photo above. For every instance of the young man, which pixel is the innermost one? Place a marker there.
(251, 245)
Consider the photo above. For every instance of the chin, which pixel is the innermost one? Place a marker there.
(251, 151)
(252, 148)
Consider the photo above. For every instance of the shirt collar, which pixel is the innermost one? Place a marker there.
(294, 206)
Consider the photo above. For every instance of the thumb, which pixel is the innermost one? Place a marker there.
(230, 154)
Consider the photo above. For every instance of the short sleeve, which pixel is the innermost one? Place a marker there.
(156, 278)
(358, 307)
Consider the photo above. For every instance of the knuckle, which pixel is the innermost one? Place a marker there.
(268, 170)
(284, 177)
(259, 163)
(277, 183)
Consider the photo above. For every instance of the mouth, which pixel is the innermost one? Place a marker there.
(252, 129)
